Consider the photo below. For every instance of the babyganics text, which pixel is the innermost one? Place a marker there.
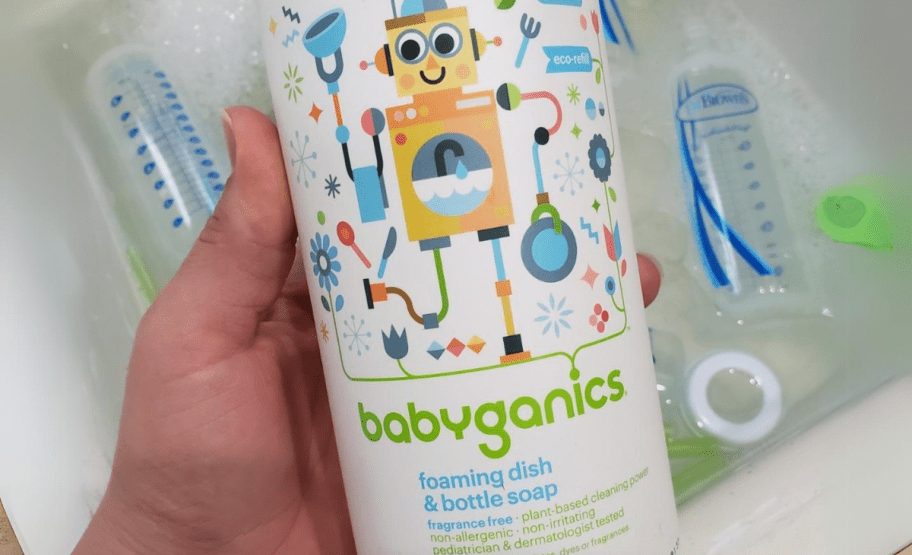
(494, 419)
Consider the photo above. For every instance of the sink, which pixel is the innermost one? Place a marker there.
(71, 304)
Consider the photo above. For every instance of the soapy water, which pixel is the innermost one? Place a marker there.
(210, 47)
(810, 153)
(220, 64)
(807, 143)
(218, 47)
(822, 361)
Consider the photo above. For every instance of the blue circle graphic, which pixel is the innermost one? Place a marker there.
(549, 250)
(590, 108)
(549, 256)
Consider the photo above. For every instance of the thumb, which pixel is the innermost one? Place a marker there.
(240, 262)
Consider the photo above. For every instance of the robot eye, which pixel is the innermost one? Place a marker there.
(446, 40)
(411, 47)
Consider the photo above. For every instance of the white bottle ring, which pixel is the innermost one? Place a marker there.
(708, 419)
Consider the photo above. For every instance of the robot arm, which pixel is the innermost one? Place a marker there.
(373, 123)
(370, 188)
(378, 154)
(509, 98)
(348, 164)
(547, 226)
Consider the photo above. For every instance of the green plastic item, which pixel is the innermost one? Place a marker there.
(146, 284)
(697, 462)
(853, 213)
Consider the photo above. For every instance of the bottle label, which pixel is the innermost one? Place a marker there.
(716, 102)
(464, 220)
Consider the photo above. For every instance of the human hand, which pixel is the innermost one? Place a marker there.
(226, 444)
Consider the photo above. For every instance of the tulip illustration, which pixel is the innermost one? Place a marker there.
(395, 344)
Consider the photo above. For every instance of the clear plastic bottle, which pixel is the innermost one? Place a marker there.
(171, 173)
(746, 246)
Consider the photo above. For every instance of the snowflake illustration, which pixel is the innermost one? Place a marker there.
(569, 174)
(324, 331)
(356, 335)
(554, 316)
(292, 82)
(332, 186)
(301, 158)
(573, 94)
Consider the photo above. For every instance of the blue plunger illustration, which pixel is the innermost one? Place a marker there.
(323, 40)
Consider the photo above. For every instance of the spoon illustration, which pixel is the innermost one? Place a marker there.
(347, 236)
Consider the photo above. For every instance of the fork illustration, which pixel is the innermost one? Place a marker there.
(530, 29)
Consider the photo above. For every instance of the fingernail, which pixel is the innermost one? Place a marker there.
(654, 260)
(228, 128)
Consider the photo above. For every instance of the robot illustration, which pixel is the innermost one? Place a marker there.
(448, 152)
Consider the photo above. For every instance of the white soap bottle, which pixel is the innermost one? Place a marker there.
(492, 387)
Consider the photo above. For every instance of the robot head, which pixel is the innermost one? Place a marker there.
(431, 52)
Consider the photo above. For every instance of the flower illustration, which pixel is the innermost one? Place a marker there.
(554, 315)
(610, 285)
(292, 83)
(600, 158)
(325, 265)
(324, 331)
(395, 344)
(598, 318)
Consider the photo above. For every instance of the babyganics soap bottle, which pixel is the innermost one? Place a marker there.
(463, 213)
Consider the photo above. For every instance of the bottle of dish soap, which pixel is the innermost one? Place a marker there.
(746, 246)
(482, 328)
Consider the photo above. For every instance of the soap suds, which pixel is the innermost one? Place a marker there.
(212, 46)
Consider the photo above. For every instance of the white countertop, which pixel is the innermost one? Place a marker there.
(842, 487)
